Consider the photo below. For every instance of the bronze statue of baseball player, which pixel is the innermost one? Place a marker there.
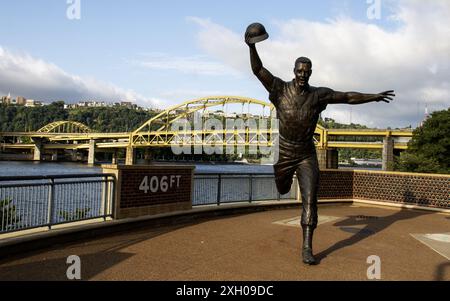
(298, 108)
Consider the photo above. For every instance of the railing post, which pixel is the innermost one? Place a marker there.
(219, 189)
(251, 188)
(114, 199)
(51, 200)
(105, 196)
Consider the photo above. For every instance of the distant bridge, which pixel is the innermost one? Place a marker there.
(65, 127)
(159, 132)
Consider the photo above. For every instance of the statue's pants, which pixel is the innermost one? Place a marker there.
(300, 158)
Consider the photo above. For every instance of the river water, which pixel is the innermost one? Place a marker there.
(23, 168)
(16, 168)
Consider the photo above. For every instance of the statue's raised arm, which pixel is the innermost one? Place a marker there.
(256, 33)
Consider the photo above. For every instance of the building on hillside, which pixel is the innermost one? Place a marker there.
(128, 104)
(6, 99)
(425, 117)
(21, 101)
(33, 103)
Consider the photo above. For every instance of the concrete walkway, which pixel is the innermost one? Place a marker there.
(412, 245)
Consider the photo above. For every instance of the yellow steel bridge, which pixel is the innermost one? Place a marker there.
(161, 131)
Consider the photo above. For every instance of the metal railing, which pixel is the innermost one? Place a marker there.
(44, 201)
(218, 189)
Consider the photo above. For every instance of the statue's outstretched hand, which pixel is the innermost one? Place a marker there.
(386, 96)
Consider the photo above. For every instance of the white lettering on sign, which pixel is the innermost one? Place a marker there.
(159, 184)
(154, 185)
(144, 185)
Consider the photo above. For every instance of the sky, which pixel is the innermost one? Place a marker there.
(162, 53)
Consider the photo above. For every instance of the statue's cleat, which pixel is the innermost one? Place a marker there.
(308, 257)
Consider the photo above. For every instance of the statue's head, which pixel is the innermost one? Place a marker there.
(302, 71)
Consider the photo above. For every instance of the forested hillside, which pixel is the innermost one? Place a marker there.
(101, 119)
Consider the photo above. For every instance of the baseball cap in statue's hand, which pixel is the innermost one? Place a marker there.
(255, 33)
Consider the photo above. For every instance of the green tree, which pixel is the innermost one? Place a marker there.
(78, 214)
(429, 149)
(8, 215)
(15, 118)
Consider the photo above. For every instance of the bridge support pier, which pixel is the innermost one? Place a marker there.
(147, 156)
(130, 155)
(55, 156)
(328, 158)
(37, 154)
(388, 154)
(114, 158)
(91, 155)
(73, 155)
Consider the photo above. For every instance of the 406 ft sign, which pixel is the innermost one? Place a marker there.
(157, 184)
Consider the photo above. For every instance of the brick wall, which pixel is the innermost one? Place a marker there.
(336, 184)
(417, 189)
(140, 198)
(403, 188)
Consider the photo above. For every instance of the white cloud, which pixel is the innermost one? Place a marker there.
(349, 55)
(221, 43)
(181, 95)
(23, 75)
(189, 64)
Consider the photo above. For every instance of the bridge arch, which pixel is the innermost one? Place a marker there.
(65, 127)
(159, 127)
(157, 130)
(180, 111)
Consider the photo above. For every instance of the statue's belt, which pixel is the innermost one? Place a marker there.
(296, 151)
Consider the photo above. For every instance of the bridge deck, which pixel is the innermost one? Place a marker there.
(258, 246)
